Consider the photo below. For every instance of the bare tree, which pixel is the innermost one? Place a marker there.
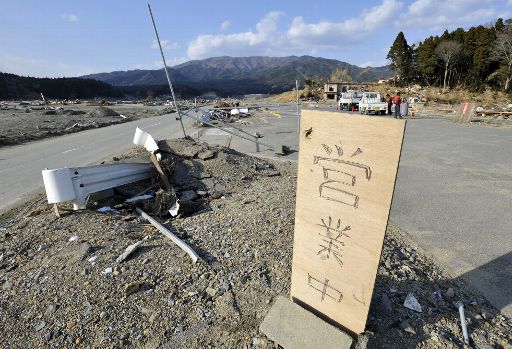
(340, 75)
(503, 53)
(448, 51)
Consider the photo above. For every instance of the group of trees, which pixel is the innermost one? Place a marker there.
(475, 58)
(21, 87)
(14, 87)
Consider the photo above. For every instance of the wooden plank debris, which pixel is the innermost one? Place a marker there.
(128, 251)
(170, 235)
(56, 210)
(346, 176)
(161, 173)
(493, 113)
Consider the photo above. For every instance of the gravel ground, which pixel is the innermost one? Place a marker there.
(54, 295)
(28, 123)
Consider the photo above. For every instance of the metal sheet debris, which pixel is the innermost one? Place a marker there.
(107, 209)
(174, 209)
(460, 306)
(139, 198)
(193, 255)
(145, 140)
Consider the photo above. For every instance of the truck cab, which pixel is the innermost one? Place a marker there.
(350, 99)
(372, 102)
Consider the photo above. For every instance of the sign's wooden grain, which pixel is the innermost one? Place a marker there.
(346, 177)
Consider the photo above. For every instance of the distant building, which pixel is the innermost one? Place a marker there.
(332, 90)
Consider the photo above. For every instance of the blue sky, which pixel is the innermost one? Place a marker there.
(72, 38)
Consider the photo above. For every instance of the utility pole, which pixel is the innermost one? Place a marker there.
(298, 107)
(167, 72)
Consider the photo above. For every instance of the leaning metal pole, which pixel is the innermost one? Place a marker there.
(166, 72)
(298, 106)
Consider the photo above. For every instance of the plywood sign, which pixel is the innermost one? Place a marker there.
(346, 177)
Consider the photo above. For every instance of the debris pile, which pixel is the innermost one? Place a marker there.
(102, 280)
(101, 112)
(20, 124)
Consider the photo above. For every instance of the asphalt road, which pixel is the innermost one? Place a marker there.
(453, 192)
(454, 197)
(20, 166)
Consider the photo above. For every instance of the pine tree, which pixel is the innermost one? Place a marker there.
(400, 56)
(427, 60)
(499, 25)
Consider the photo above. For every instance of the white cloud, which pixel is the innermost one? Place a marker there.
(171, 62)
(261, 41)
(166, 45)
(336, 35)
(299, 37)
(69, 17)
(372, 63)
(446, 14)
(226, 24)
(303, 37)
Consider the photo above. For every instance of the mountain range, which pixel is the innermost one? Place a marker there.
(241, 75)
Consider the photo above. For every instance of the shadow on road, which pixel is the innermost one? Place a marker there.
(495, 277)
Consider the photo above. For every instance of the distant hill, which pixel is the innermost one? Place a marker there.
(221, 75)
(16, 87)
(237, 75)
(23, 87)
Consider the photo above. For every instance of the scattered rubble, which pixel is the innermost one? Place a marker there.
(74, 294)
(21, 124)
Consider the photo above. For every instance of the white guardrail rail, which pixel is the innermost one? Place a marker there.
(75, 184)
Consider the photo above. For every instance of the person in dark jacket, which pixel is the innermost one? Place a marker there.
(389, 100)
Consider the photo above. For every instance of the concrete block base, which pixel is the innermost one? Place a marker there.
(293, 327)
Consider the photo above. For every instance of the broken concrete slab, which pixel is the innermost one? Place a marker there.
(75, 253)
(206, 154)
(412, 303)
(292, 326)
(188, 195)
(187, 150)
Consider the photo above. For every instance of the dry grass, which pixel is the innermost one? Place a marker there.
(488, 99)
(435, 95)
(290, 96)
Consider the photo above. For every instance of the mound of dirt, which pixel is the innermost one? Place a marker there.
(74, 112)
(102, 112)
(63, 286)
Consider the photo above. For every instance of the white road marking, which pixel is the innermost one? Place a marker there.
(158, 123)
(69, 151)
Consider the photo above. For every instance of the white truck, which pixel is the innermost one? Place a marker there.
(372, 102)
(350, 99)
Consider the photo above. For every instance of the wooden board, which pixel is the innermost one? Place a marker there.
(346, 177)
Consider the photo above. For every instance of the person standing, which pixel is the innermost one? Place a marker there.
(397, 101)
(389, 100)
(404, 108)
